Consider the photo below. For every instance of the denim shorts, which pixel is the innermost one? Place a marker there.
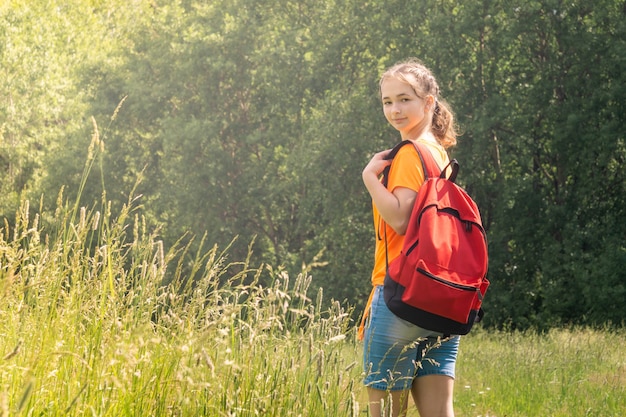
(395, 351)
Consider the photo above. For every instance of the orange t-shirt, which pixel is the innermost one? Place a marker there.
(406, 171)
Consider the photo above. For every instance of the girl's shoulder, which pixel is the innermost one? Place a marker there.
(438, 151)
(406, 169)
(407, 152)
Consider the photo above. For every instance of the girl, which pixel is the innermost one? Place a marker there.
(400, 357)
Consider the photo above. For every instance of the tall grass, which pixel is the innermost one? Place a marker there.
(102, 321)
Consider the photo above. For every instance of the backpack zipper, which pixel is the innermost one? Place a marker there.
(448, 283)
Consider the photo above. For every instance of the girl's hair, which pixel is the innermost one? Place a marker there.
(414, 73)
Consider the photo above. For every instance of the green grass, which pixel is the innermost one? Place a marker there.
(566, 372)
(97, 319)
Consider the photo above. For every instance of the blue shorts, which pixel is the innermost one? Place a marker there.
(395, 351)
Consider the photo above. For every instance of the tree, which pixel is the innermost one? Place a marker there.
(38, 47)
(255, 119)
(543, 106)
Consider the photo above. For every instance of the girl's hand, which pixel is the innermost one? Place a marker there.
(394, 207)
(377, 164)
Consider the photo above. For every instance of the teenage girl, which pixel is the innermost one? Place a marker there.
(399, 357)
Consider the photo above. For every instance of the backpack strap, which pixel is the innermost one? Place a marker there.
(392, 154)
(429, 165)
(431, 168)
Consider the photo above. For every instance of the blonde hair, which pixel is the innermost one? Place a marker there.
(423, 82)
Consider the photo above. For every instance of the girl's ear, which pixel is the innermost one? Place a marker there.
(430, 102)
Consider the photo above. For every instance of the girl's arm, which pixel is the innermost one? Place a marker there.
(394, 207)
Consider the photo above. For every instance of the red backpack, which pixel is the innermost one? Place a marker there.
(440, 277)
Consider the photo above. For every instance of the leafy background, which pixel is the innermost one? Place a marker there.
(252, 121)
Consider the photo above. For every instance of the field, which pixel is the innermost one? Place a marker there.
(566, 372)
(98, 319)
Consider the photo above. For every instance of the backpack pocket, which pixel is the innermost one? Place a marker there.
(441, 296)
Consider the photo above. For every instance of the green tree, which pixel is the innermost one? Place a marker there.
(255, 119)
(38, 47)
(544, 143)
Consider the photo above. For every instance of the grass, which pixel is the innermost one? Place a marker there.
(98, 319)
(102, 321)
(566, 372)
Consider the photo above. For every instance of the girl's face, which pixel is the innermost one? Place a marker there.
(404, 110)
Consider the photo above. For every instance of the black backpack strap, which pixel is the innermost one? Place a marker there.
(392, 154)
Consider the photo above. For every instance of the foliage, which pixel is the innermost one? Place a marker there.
(37, 49)
(251, 121)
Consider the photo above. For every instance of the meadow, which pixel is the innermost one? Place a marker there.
(97, 318)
